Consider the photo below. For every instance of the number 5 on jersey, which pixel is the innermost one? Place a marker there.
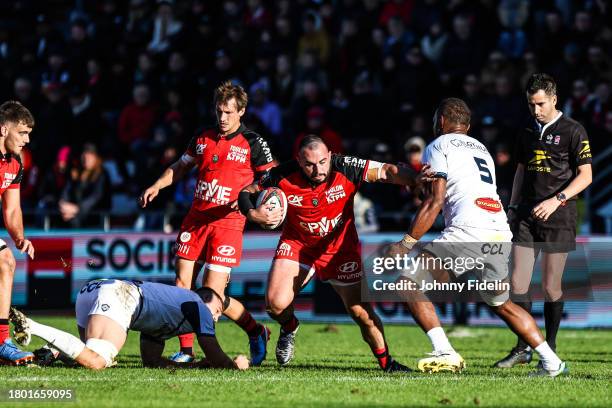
(485, 173)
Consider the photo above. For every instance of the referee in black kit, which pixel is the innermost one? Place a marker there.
(554, 166)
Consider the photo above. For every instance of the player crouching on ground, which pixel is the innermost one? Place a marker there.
(106, 309)
(319, 236)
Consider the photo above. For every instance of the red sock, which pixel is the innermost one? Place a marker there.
(382, 355)
(291, 324)
(4, 330)
(186, 341)
(249, 325)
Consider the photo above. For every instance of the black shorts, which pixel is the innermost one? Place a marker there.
(557, 234)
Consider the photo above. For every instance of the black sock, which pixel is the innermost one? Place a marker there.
(525, 302)
(553, 311)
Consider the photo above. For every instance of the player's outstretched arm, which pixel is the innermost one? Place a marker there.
(171, 175)
(396, 174)
(216, 357)
(429, 209)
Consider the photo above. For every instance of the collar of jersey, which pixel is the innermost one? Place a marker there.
(7, 156)
(542, 129)
(238, 131)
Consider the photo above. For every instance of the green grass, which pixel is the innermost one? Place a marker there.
(335, 368)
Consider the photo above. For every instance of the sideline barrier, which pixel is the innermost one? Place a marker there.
(66, 260)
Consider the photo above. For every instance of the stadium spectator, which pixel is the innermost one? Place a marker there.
(316, 125)
(87, 191)
(267, 111)
(314, 38)
(165, 27)
(137, 119)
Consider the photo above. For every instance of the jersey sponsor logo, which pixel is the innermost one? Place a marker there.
(295, 200)
(489, 204)
(212, 192)
(265, 149)
(284, 249)
(355, 162)
(468, 145)
(8, 179)
(226, 250)
(237, 154)
(185, 236)
(557, 139)
(183, 249)
(535, 164)
(322, 227)
(200, 148)
(349, 276)
(335, 193)
(348, 267)
(224, 259)
(585, 151)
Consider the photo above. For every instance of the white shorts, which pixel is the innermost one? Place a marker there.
(115, 299)
(490, 247)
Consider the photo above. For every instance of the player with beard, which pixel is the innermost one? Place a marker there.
(319, 237)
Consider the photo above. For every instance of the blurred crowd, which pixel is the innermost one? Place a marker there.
(118, 88)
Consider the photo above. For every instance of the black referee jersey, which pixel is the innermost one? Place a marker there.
(551, 154)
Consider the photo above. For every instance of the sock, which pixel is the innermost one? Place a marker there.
(4, 330)
(553, 311)
(186, 342)
(249, 325)
(549, 358)
(439, 341)
(382, 355)
(524, 302)
(64, 342)
(291, 325)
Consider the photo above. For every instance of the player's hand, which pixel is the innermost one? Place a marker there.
(242, 363)
(68, 210)
(25, 246)
(545, 209)
(234, 205)
(396, 248)
(148, 196)
(266, 215)
(426, 175)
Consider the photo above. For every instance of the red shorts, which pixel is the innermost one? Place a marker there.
(340, 266)
(216, 246)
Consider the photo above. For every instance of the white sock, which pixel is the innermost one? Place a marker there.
(438, 339)
(549, 358)
(64, 342)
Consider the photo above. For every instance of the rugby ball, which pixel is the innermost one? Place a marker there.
(277, 198)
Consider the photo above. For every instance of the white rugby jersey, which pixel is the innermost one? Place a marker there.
(471, 193)
(168, 311)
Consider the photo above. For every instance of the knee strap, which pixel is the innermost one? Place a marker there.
(104, 349)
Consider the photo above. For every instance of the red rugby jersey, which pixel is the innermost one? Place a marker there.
(225, 165)
(11, 172)
(319, 215)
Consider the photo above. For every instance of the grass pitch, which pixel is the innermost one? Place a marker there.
(333, 367)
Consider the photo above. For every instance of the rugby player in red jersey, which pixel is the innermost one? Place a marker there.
(16, 123)
(319, 237)
(227, 158)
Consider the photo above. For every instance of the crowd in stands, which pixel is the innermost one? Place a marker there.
(118, 88)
